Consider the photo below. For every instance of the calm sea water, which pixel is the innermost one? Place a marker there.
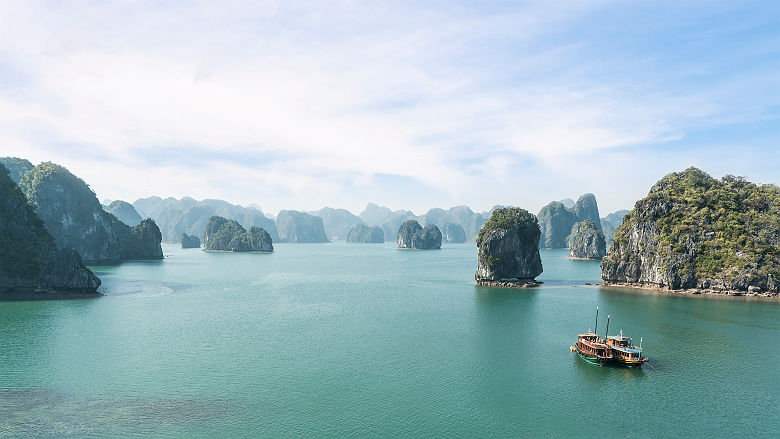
(347, 340)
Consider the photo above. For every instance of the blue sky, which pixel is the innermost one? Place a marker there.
(408, 104)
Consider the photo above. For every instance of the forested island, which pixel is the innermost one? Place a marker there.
(696, 234)
(228, 235)
(508, 250)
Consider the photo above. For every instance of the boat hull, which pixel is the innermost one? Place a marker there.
(591, 358)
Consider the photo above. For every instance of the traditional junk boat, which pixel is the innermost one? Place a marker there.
(591, 348)
(616, 349)
(625, 353)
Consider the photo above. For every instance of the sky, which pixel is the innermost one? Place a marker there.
(412, 105)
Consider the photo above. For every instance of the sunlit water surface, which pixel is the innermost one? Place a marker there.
(348, 340)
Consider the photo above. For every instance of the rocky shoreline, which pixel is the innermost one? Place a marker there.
(508, 283)
(22, 294)
(694, 291)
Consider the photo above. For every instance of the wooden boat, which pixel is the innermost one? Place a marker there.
(591, 348)
(625, 353)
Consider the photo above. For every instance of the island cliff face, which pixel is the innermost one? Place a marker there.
(586, 241)
(508, 249)
(189, 241)
(227, 235)
(556, 220)
(124, 212)
(16, 167)
(294, 226)
(453, 233)
(610, 223)
(75, 218)
(361, 233)
(700, 235)
(337, 222)
(31, 265)
(412, 236)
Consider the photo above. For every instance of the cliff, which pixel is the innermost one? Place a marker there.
(508, 249)
(124, 212)
(361, 233)
(556, 220)
(698, 234)
(610, 223)
(223, 234)
(453, 233)
(189, 241)
(294, 226)
(412, 236)
(586, 241)
(337, 222)
(16, 167)
(75, 218)
(31, 265)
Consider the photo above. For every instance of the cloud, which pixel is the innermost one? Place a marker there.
(307, 102)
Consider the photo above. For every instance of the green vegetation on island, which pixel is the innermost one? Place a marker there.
(508, 249)
(586, 241)
(295, 226)
(124, 212)
(16, 167)
(556, 220)
(189, 241)
(413, 236)
(361, 233)
(694, 232)
(31, 265)
(228, 235)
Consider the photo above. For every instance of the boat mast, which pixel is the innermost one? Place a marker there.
(596, 328)
(606, 333)
(640, 347)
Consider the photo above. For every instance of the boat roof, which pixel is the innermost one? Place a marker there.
(626, 350)
(619, 337)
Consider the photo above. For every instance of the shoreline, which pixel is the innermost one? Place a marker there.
(574, 258)
(691, 291)
(518, 284)
(19, 294)
(233, 251)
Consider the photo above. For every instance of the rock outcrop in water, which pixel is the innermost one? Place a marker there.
(124, 212)
(337, 222)
(453, 233)
(361, 233)
(75, 218)
(189, 241)
(227, 235)
(698, 234)
(586, 241)
(16, 167)
(187, 215)
(412, 236)
(611, 222)
(294, 226)
(556, 220)
(31, 265)
(508, 249)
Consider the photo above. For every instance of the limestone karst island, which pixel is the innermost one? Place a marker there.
(389, 219)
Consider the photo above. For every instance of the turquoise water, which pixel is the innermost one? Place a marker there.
(349, 340)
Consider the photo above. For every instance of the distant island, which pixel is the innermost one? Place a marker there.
(508, 250)
(361, 233)
(300, 227)
(556, 220)
(31, 265)
(189, 241)
(226, 235)
(695, 234)
(413, 236)
(586, 241)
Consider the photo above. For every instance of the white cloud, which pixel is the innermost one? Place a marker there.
(448, 96)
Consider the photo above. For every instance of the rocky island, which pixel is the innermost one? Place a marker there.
(16, 167)
(228, 235)
(124, 212)
(695, 234)
(189, 241)
(508, 250)
(294, 226)
(557, 220)
(31, 265)
(75, 218)
(361, 233)
(586, 241)
(454, 233)
(413, 236)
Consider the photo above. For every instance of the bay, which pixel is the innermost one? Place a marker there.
(349, 340)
